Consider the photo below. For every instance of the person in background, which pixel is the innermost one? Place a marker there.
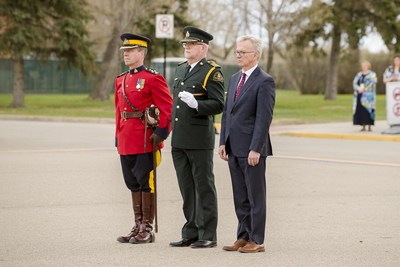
(364, 100)
(392, 73)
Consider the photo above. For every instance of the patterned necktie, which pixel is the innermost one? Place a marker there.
(240, 86)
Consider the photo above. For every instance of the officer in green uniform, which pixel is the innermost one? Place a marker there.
(198, 94)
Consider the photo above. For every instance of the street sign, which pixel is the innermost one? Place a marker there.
(165, 26)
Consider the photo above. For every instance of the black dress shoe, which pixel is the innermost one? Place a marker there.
(183, 243)
(204, 244)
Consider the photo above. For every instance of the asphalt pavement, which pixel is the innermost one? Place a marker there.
(332, 200)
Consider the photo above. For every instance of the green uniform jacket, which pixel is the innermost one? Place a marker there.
(194, 129)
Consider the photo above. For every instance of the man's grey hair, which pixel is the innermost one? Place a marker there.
(144, 49)
(256, 41)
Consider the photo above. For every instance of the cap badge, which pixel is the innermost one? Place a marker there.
(187, 34)
(126, 42)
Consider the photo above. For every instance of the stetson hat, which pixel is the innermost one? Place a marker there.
(130, 40)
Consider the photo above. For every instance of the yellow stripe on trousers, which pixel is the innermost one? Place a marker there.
(151, 178)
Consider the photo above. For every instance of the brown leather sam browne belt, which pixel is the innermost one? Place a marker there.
(131, 114)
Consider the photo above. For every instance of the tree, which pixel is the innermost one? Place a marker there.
(119, 16)
(385, 17)
(179, 8)
(279, 25)
(114, 16)
(334, 20)
(44, 29)
(226, 20)
(318, 15)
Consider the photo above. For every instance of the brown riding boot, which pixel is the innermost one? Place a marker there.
(137, 210)
(145, 234)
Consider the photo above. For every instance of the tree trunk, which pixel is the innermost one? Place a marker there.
(270, 54)
(18, 91)
(349, 63)
(108, 69)
(331, 84)
(354, 57)
(271, 33)
(122, 22)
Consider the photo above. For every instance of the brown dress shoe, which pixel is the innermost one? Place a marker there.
(252, 247)
(235, 247)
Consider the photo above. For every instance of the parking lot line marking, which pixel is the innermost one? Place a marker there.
(51, 150)
(341, 161)
(359, 137)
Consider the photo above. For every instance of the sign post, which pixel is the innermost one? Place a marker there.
(165, 29)
(393, 107)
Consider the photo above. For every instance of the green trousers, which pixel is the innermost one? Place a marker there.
(194, 169)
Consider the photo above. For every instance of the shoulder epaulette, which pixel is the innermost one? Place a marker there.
(213, 63)
(183, 62)
(151, 70)
(123, 73)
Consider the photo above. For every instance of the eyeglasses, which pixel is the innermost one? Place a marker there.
(242, 53)
(190, 44)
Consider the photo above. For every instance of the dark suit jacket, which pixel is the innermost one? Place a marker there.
(193, 129)
(246, 121)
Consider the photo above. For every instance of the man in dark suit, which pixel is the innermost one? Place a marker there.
(245, 142)
(198, 94)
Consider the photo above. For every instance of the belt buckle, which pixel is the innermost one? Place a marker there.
(123, 115)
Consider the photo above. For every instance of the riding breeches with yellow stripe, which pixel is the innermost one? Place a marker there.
(138, 171)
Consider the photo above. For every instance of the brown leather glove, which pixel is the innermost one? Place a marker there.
(156, 140)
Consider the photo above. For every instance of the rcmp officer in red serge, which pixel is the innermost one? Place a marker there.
(135, 91)
(198, 94)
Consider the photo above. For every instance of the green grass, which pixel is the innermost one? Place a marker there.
(59, 105)
(290, 107)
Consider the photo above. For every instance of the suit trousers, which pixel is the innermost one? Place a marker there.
(194, 169)
(249, 194)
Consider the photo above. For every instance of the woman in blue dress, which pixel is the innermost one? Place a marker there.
(364, 100)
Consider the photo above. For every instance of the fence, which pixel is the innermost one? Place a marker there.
(51, 77)
(48, 76)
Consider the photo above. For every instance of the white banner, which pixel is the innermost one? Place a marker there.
(393, 103)
(165, 26)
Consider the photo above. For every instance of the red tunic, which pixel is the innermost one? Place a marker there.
(144, 88)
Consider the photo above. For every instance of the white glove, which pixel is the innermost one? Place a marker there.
(189, 99)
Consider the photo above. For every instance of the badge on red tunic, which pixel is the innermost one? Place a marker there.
(140, 84)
